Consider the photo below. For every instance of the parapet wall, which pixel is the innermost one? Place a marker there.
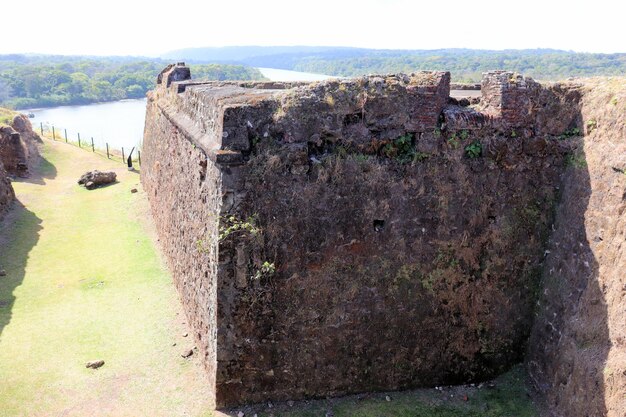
(355, 235)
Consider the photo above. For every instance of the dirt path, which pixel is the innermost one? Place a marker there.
(84, 282)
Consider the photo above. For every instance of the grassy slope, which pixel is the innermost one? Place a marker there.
(84, 282)
(6, 115)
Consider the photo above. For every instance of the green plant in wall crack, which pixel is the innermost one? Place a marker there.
(453, 141)
(591, 125)
(576, 160)
(474, 149)
(570, 133)
(402, 149)
(202, 246)
(420, 156)
(266, 270)
(230, 225)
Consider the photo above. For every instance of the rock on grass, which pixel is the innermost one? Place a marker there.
(95, 364)
(95, 179)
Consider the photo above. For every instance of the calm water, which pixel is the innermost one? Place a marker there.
(120, 123)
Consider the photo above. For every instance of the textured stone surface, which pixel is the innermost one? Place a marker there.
(18, 150)
(13, 152)
(184, 188)
(95, 179)
(173, 73)
(506, 95)
(6, 191)
(577, 352)
(18, 146)
(21, 123)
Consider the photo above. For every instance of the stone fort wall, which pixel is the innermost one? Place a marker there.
(355, 235)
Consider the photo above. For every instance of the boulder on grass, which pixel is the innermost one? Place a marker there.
(95, 179)
(95, 364)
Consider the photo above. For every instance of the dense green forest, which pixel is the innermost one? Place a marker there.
(467, 66)
(464, 64)
(43, 81)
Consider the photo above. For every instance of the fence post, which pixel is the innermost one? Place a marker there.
(65, 135)
(41, 127)
(93, 149)
(79, 139)
(108, 157)
(53, 134)
(139, 156)
(122, 154)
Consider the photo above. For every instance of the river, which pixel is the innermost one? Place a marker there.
(118, 123)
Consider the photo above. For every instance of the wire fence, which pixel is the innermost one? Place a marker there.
(87, 143)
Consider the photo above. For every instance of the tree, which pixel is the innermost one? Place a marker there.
(5, 90)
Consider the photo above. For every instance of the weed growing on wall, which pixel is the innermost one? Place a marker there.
(230, 225)
(420, 156)
(576, 160)
(453, 141)
(474, 149)
(401, 149)
(266, 270)
(570, 133)
(591, 125)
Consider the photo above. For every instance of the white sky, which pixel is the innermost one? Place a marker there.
(152, 27)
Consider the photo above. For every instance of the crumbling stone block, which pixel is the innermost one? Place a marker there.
(13, 152)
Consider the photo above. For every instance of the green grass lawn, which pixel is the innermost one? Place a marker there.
(84, 282)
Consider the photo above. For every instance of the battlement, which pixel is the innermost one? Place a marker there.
(362, 114)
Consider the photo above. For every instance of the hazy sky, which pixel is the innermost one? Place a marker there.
(142, 27)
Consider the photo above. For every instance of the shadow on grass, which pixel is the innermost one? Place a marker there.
(19, 233)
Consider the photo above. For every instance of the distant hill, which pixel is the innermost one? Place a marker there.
(255, 53)
(465, 64)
